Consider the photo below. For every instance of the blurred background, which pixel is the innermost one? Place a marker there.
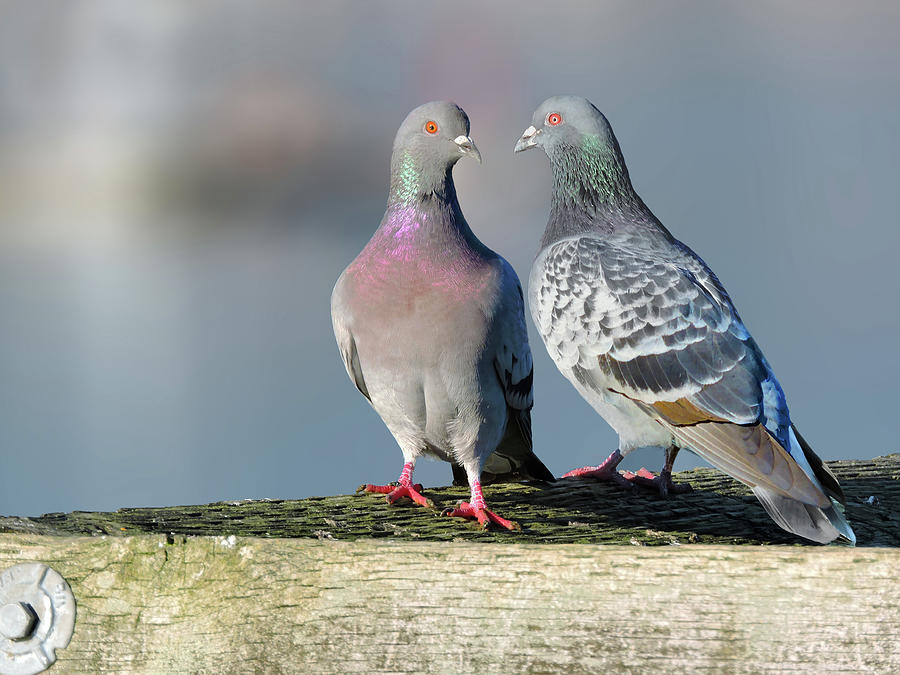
(182, 183)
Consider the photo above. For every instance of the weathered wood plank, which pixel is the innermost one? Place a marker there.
(174, 590)
(719, 511)
(238, 605)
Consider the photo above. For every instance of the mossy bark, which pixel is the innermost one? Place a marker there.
(718, 511)
(242, 587)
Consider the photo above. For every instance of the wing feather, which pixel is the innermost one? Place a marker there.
(347, 344)
(514, 458)
(661, 330)
(656, 330)
(512, 357)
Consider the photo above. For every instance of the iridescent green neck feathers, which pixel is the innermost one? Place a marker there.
(414, 180)
(590, 176)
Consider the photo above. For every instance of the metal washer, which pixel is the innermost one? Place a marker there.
(37, 589)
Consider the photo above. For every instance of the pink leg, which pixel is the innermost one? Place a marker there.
(404, 487)
(478, 509)
(607, 472)
(663, 482)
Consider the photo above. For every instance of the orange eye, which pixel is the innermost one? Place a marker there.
(431, 127)
(553, 119)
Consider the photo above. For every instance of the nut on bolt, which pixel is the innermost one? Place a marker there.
(37, 617)
(17, 621)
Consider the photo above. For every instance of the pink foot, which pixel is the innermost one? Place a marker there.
(402, 488)
(663, 482)
(478, 509)
(484, 517)
(395, 492)
(607, 472)
(386, 489)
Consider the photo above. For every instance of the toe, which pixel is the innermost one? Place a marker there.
(503, 522)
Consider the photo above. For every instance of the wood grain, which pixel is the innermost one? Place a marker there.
(238, 605)
(598, 581)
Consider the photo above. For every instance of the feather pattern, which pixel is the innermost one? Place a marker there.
(648, 335)
(654, 328)
(514, 458)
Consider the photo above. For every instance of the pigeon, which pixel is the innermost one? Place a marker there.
(647, 334)
(430, 324)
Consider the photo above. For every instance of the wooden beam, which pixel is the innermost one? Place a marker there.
(718, 511)
(239, 605)
(269, 586)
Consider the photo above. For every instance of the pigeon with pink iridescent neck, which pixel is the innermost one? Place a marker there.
(430, 324)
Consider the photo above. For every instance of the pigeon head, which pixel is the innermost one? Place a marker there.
(436, 132)
(432, 138)
(587, 163)
(563, 122)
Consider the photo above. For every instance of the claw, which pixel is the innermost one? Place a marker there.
(395, 491)
(663, 482)
(607, 472)
(411, 492)
(484, 517)
(601, 474)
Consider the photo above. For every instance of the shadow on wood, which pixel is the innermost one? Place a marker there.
(718, 511)
(273, 590)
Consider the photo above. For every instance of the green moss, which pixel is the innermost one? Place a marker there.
(718, 511)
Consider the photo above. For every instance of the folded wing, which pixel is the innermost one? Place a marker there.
(662, 331)
(514, 458)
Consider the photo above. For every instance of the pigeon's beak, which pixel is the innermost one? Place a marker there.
(467, 147)
(528, 140)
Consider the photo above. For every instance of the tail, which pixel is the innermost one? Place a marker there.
(513, 460)
(828, 480)
(818, 524)
(793, 485)
(821, 524)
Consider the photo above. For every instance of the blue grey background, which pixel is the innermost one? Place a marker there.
(182, 183)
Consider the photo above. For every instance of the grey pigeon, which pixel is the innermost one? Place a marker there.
(647, 334)
(431, 325)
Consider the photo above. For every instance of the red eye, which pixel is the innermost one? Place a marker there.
(431, 127)
(553, 119)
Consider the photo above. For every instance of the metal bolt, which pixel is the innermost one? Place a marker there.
(17, 621)
(37, 617)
